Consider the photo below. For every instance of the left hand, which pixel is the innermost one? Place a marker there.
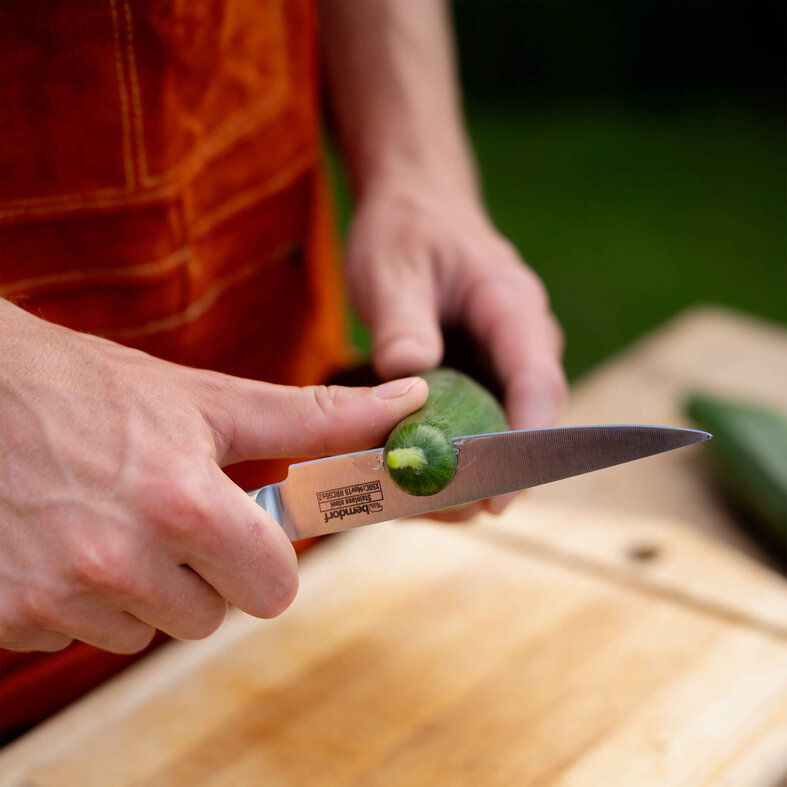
(418, 258)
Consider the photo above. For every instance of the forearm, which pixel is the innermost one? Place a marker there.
(393, 90)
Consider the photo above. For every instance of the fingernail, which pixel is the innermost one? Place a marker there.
(395, 388)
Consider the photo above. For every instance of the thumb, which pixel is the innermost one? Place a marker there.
(254, 420)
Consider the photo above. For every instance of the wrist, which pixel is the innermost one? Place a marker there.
(424, 196)
(433, 163)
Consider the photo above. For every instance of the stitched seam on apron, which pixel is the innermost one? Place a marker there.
(238, 202)
(128, 272)
(248, 197)
(95, 200)
(201, 305)
(124, 108)
(226, 133)
(136, 104)
(127, 154)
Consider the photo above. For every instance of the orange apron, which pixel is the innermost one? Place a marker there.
(160, 185)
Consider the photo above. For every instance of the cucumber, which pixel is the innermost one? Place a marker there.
(419, 456)
(749, 453)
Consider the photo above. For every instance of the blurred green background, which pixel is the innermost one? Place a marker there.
(634, 152)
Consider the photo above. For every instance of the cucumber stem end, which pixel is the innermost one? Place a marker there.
(412, 457)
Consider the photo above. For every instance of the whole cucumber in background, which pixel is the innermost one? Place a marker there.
(419, 456)
(749, 453)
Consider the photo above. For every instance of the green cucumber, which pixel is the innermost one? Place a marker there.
(419, 456)
(749, 453)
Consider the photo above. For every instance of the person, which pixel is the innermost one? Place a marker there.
(170, 303)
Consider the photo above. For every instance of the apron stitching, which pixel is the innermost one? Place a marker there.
(199, 307)
(238, 202)
(103, 198)
(112, 199)
(229, 129)
(93, 199)
(127, 160)
(83, 195)
(135, 96)
(123, 92)
(162, 265)
(248, 197)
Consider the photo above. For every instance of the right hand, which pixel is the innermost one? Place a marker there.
(115, 516)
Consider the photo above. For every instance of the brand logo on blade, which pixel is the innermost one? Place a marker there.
(351, 500)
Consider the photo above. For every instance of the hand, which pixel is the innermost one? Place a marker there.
(115, 517)
(418, 258)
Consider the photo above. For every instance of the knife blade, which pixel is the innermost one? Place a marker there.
(342, 492)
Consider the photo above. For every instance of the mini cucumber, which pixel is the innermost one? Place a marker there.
(419, 456)
(749, 452)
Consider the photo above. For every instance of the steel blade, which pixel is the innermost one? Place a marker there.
(342, 492)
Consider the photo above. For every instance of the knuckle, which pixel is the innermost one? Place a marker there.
(517, 281)
(535, 289)
(558, 335)
(36, 609)
(132, 640)
(320, 414)
(98, 567)
(547, 381)
(509, 258)
(510, 250)
(209, 620)
(324, 398)
(180, 505)
(216, 390)
(517, 290)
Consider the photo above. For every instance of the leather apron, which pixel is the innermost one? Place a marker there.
(161, 186)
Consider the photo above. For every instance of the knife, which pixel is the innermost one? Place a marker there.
(342, 492)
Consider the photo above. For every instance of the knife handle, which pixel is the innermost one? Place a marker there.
(269, 498)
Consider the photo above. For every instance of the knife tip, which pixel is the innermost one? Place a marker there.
(700, 435)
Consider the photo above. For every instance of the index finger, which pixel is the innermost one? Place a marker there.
(238, 549)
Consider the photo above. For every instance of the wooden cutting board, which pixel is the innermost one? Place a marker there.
(555, 645)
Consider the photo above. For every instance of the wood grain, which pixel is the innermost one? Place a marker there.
(419, 654)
